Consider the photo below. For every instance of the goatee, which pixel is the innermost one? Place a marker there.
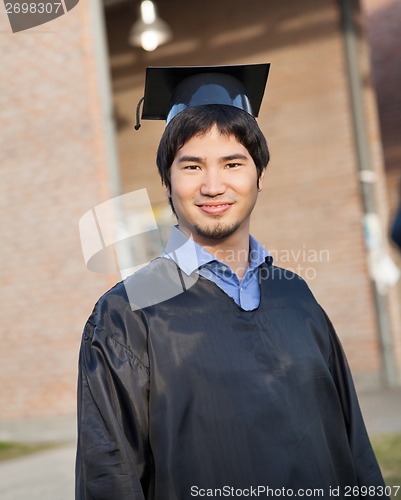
(216, 232)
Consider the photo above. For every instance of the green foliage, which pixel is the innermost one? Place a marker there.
(388, 453)
(13, 450)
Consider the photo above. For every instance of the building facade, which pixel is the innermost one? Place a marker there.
(70, 92)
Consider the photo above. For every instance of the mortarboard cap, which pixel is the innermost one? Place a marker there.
(170, 90)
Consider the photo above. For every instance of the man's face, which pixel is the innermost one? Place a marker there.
(214, 187)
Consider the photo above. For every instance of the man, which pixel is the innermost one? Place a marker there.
(211, 372)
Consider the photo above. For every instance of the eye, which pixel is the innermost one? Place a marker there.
(233, 165)
(192, 167)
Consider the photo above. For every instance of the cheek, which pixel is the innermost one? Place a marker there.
(183, 188)
(180, 195)
(248, 186)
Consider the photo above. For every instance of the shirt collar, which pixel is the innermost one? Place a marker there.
(258, 253)
(190, 256)
(186, 253)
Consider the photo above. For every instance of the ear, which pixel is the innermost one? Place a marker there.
(260, 181)
(168, 192)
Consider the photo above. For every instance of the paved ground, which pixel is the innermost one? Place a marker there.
(381, 410)
(46, 475)
(49, 475)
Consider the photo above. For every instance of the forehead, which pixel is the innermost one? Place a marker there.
(211, 139)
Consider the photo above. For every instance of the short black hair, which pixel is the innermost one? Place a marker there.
(198, 120)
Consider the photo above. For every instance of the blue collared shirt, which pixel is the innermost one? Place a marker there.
(190, 257)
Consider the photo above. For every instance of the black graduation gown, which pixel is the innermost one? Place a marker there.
(194, 396)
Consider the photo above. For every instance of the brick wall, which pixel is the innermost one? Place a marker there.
(52, 171)
(53, 157)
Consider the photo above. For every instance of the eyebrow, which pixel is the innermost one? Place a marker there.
(198, 159)
(190, 159)
(236, 156)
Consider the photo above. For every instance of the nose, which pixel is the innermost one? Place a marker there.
(213, 183)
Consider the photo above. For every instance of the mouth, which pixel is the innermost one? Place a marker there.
(214, 208)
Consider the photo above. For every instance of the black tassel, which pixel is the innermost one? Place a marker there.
(138, 119)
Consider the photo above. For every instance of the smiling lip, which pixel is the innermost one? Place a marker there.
(214, 208)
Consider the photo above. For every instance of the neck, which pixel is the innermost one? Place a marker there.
(232, 251)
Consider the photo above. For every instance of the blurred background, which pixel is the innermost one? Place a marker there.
(332, 117)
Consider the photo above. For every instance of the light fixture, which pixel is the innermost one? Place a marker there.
(149, 31)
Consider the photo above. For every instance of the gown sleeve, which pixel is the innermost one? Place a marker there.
(113, 455)
(365, 463)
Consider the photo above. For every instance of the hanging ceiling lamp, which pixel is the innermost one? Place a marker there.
(149, 31)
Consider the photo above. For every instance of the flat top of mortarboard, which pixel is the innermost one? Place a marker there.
(162, 81)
